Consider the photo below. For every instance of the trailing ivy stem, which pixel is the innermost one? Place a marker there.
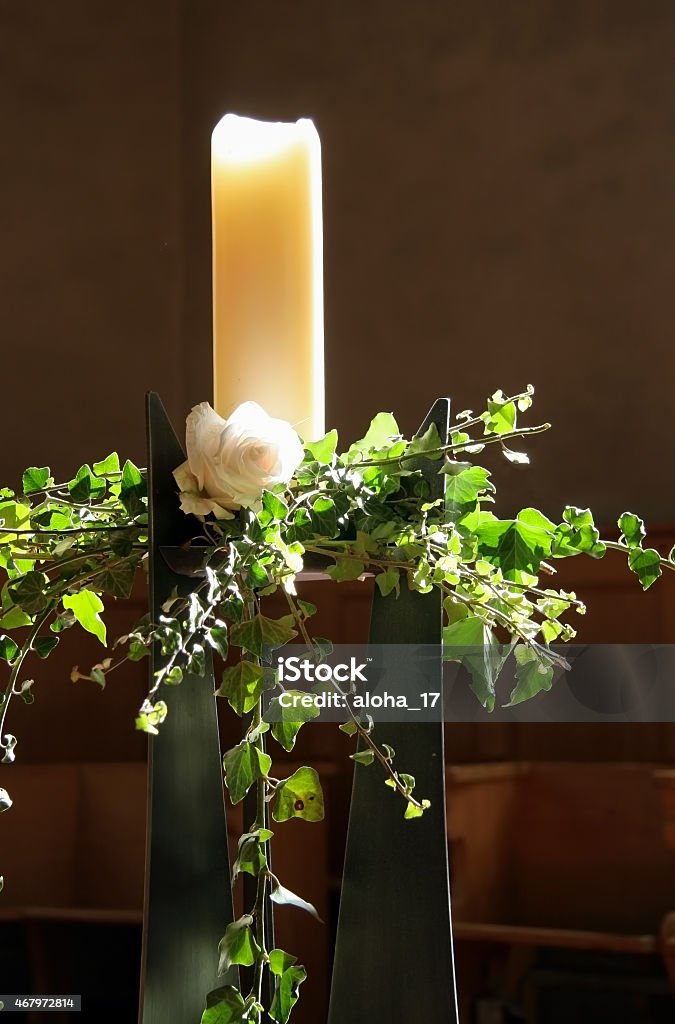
(362, 731)
(616, 545)
(16, 667)
(461, 446)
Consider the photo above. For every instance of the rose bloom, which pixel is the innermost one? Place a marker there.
(231, 462)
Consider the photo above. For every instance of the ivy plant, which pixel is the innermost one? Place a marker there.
(68, 548)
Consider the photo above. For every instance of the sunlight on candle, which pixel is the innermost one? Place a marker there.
(268, 269)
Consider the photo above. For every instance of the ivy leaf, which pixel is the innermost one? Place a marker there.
(8, 648)
(323, 450)
(427, 444)
(632, 529)
(238, 945)
(29, 592)
(500, 417)
(14, 619)
(533, 674)
(86, 606)
(389, 580)
(382, 431)
(85, 486)
(259, 632)
(470, 642)
(286, 993)
(36, 479)
(301, 527)
(363, 757)
(107, 466)
(244, 764)
(250, 858)
(273, 504)
(346, 569)
(324, 517)
(133, 489)
(117, 578)
(514, 546)
(224, 1006)
(517, 458)
(217, 637)
(44, 645)
(413, 811)
(5, 800)
(646, 565)
(242, 684)
(280, 961)
(152, 716)
(289, 720)
(284, 896)
(9, 743)
(463, 488)
(299, 796)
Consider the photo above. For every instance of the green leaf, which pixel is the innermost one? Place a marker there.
(14, 619)
(8, 648)
(324, 517)
(290, 719)
(413, 811)
(151, 717)
(646, 565)
(470, 642)
(363, 757)
(427, 444)
(5, 800)
(260, 631)
(323, 450)
(44, 645)
(280, 961)
(286, 993)
(389, 580)
(250, 858)
(242, 684)
(463, 488)
(217, 637)
(29, 592)
(117, 578)
(224, 1006)
(284, 896)
(86, 486)
(107, 466)
(632, 529)
(238, 945)
(514, 546)
(345, 569)
(133, 489)
(299, 796)
(86, 607)
(244, 764)
(533, 674)
(350, 728)
(500, 417)
(36, 479)
(382, 431)
(273, 504)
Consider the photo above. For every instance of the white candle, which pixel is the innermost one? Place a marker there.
(268, 270)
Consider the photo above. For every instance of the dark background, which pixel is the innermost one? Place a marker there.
(498, 211)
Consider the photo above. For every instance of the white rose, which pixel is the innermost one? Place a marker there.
(230, 462)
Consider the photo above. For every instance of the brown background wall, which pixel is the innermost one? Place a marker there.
(497, 211)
